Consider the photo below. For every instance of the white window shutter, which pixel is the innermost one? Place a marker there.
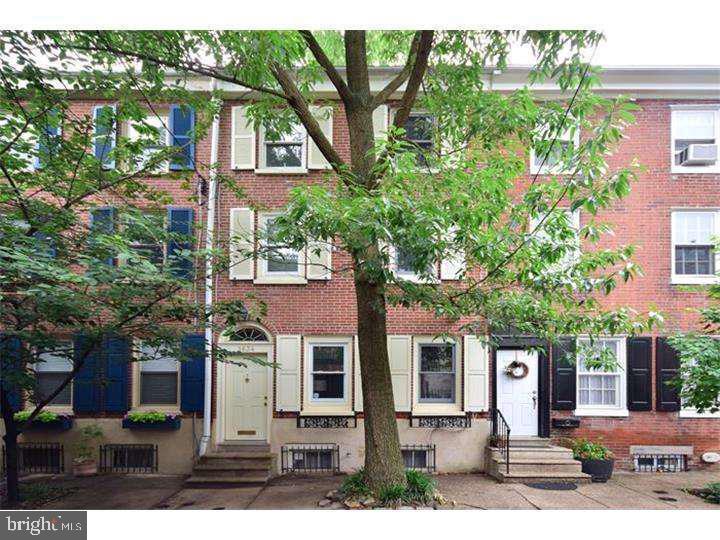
(452, 264)
(380, 122)
(319, 260)
(399, 351)
(243, 140)
(476, 374)
(288, 373)
(358, 378)
(324, 117)
(242, 243)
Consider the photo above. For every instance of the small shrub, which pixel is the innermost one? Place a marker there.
(355, 485)
(711, 492)
(392, 495)
(586, 449)
(84, 449)
(420, 487)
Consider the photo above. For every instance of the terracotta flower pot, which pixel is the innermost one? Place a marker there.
(86, 468)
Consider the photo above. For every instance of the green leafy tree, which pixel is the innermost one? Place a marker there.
(698, 378)
(464, 196)
(64, 273)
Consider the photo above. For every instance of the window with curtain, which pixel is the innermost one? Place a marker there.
(159, 378)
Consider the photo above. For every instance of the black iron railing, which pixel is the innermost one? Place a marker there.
(305, 458)
(40, 457)
(129, 458)
(501, 435)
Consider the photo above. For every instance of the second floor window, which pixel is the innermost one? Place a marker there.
(693, 252)
(695, 136)
(420, 132)
(284, 150)
(280, 260)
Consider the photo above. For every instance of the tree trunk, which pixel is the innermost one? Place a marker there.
(11, 461)
(383, 460)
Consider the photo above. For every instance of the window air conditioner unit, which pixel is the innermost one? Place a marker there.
(699, 154)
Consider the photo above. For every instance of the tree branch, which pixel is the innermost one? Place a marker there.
(383, 95)
(416, 76)
(298, 103)
(327, 65)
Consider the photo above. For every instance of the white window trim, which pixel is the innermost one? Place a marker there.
(449, 409)
(66, 408)
(683, 169)
(277, 278)
(554, 169)
(338, 407)
(264, 169)
(697, 279)
(136, 389)
(621, 409)
(163, 122)
(411, 276)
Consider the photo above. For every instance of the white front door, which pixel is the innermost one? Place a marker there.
(517, 397)
(246, 402)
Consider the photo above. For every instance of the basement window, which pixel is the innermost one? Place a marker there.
(305, 458)
(660, 462)
(129, 458)
(419, 457)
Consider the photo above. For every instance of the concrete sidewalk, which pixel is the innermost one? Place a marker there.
(467, 491)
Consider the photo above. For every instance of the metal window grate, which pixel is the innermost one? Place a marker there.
(129, 458)
(327, 422)
(306, 458)
(419, 456)
(461, 422)
(38, 458)
(660, 462)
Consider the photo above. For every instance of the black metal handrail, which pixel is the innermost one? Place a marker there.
(501, 435)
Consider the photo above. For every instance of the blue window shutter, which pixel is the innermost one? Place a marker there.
(104, 135)
(11, 359)
(192, 373)
(86, 385)
(182, 128)
(180, 225)
(102, 221)
(49, 139)
(116, 363)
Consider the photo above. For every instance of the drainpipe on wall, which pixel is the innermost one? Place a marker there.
(209, 276)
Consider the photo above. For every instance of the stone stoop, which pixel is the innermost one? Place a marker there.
(232, 466)
(534, 460)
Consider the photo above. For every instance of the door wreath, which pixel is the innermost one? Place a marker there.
(517, 370)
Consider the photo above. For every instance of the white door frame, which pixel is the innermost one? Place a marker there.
(247, 347)
(538, 407)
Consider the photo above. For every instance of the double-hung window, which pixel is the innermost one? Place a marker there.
(278, 260)
(420, 131)
(404, 265)
(694, 260)
(601, 392)
(695, 134)
(547, 157)
(154, 137)
(159, 378)
(51, 370)
(328, 372)
(541, 230)
(284, 151)
(437, 373)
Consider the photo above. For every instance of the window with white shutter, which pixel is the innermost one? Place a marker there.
(242, 243)
(324, 118)
(242, 151)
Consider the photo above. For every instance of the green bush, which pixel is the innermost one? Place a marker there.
(586, 449)
(43, 416)
(711, 493)
(420, 489)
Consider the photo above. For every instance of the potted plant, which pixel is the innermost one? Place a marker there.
(597, 460)
(46, 420)
(151, 420)
(84, 461)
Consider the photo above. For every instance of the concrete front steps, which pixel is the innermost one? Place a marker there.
(233, 465)
(535, 460)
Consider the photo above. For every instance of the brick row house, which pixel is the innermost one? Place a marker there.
(306, 411)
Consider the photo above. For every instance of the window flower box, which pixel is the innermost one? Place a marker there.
(151, 420)
(46, 421)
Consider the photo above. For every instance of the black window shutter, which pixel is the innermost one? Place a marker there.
(668, 364)
(564, 374)
(639, 374)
